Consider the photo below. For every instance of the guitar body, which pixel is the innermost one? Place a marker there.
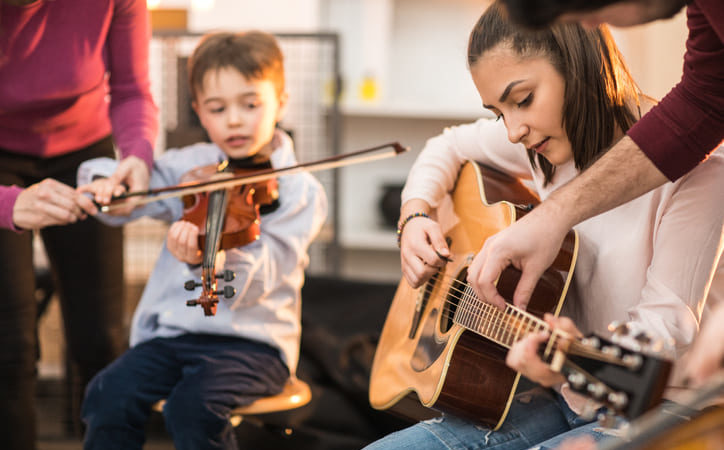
(422, 351)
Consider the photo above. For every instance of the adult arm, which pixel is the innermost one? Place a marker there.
(132, 110)
(532, 243)
(679, 275)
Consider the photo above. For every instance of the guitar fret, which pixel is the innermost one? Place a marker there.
(497, 326)
(461, 312)
(505, 335)
(470, 302)
(488, 322)
(516, 320)
(469, 310)
(482, 316)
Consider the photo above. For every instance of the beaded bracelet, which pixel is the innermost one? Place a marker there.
(401, 224)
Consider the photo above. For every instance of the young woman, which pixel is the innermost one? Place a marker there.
(562, 94)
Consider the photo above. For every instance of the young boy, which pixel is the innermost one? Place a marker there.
(205, 366)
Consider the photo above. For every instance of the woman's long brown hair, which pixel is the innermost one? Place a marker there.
(600, 94)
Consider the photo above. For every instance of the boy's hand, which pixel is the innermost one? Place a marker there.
(183, 242)
(130, 175)
(50, 202)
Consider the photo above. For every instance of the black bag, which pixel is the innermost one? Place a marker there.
(341, 324)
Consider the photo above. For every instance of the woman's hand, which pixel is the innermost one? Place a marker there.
(523, 355)
(183, 242)
(50, 202)
(423, 249)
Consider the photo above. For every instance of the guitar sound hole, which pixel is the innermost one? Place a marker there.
(426, 291)
(452, 299)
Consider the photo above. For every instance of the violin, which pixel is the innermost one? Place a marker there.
(232, 202)
(241, 217)
(239, 206)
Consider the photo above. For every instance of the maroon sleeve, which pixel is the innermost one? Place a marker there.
(133, 112)
(688, 124)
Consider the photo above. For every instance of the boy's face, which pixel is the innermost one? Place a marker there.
(239, 114)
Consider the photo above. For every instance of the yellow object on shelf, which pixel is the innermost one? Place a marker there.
(168, 19)
(368, 89)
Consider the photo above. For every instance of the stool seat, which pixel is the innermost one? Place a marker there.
(296, 393)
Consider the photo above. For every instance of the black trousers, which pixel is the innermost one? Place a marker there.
(86, 261)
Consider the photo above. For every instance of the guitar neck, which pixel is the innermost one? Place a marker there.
(504, 327)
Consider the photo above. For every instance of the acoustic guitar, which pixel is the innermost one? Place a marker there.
(443, 344)
(692, 423)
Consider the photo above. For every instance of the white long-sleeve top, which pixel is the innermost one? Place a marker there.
(269, 271)
(649, 262)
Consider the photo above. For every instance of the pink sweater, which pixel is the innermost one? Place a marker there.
(59, 60)
(688, 123)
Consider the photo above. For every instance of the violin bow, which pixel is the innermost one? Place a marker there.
(224, 182)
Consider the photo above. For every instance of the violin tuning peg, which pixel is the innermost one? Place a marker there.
(227, 275)
(229, 291)
(191, 285)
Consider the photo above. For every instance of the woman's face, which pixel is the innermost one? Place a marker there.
(527, 93)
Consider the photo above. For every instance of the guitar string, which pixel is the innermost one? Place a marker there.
(501, 323)
(511, 325)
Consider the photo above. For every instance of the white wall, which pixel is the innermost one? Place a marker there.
(267, 15)
(655, 53)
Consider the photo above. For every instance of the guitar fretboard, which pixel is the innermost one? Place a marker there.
(502, 327)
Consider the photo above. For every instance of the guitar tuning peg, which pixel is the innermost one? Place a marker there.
(597, 390)
(633, 361)
(607, 420)
(618, 400)
(643, 338)
(656, 346)
(577, 380)
(611, 350)
(619, 328)
(591, 341)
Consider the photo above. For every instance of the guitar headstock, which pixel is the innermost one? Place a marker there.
(628, 382)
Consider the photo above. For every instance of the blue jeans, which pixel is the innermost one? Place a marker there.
(202, 377)
(537, 417)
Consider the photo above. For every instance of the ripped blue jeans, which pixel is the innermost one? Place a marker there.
(539, 418)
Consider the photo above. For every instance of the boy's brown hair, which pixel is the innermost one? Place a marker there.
(255, 54)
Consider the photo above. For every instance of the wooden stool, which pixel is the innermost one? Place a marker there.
(296, 393)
